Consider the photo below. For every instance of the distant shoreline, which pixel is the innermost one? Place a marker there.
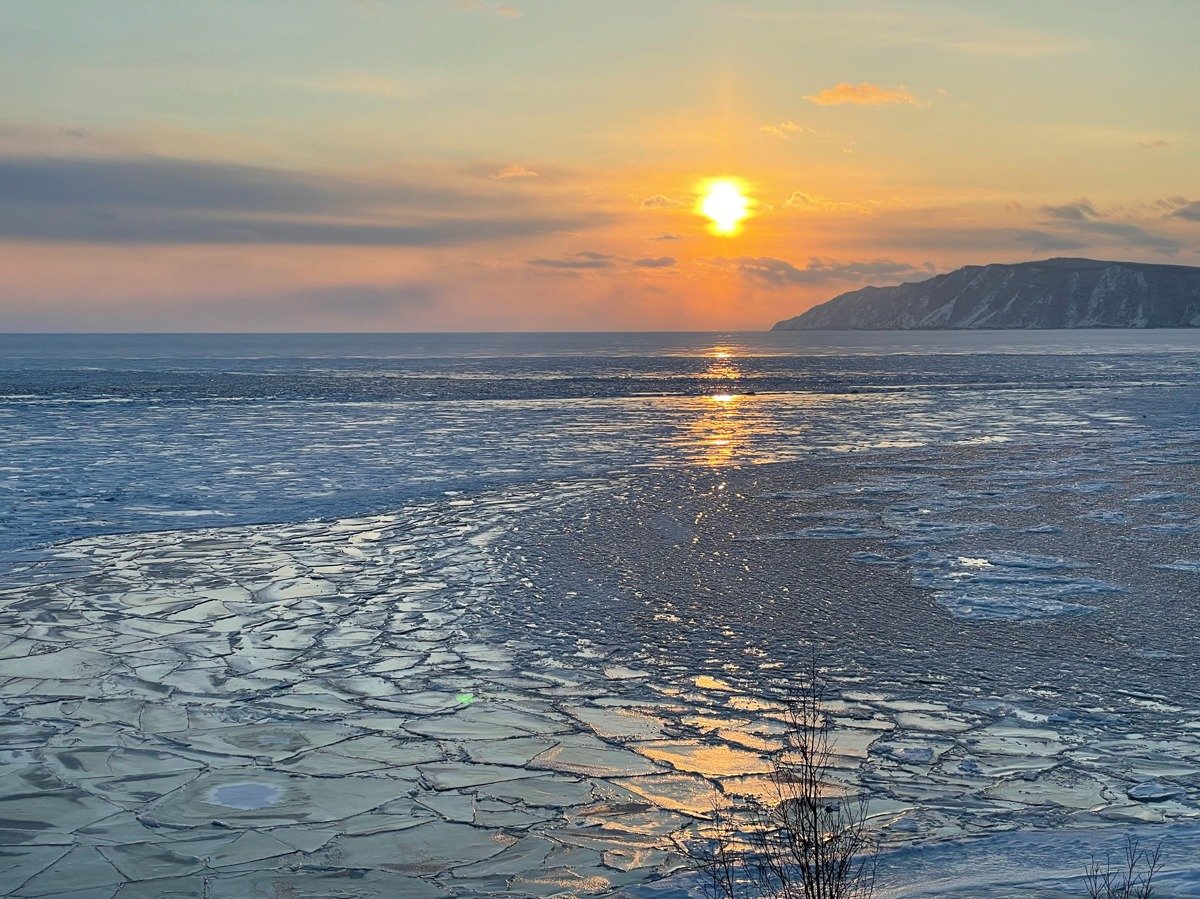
(1047, 295)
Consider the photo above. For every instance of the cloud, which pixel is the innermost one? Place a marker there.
(778, 273)
(584, 260)
(514, 171)
(590, 260)
(666, 237)
(659, 201)
(1078, 211)
(173, 201)
(1188, 211)
(782, 130)
(865, 94)
(1094, 238)
(163, 183)
(1079, 225)
(1134, 235)
(1171, 202)
(1085, 222)
(805, 202)
(986, 234)
(1159, 144)
(1044, 242)
(71, 226)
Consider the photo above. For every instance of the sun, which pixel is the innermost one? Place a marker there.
(724, 203)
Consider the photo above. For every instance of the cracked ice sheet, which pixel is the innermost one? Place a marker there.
(244, 711)
(369, 695)
(1007, 712)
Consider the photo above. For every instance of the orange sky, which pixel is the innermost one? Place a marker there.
(534, 166)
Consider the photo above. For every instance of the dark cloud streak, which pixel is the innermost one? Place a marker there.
(779, 273)
(162, 183)
(584, 260)
(141, 227)
(1188, 211)
(170, 201)
(1077, 211)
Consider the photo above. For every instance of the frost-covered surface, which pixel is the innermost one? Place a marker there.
(528, 689)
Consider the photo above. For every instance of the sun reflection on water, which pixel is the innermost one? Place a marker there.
(731, 423)
(722, 368)
(720, 432)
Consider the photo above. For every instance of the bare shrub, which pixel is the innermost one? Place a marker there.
(1131, 877)
(800, 842)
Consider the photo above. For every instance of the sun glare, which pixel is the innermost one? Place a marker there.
(724, 203)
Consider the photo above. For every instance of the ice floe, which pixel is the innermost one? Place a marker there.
(998, 586)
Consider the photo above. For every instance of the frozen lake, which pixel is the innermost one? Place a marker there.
(499, 614)
(117, 433)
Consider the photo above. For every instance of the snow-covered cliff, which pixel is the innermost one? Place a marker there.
(1052, 293)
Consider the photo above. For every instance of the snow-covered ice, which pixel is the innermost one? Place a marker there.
(515, 637)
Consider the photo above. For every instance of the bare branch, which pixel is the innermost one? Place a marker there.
(1129, 878)
(805, 844)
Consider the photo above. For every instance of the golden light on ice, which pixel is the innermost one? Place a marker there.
(725, 204)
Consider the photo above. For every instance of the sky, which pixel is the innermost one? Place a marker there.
(476, 165)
